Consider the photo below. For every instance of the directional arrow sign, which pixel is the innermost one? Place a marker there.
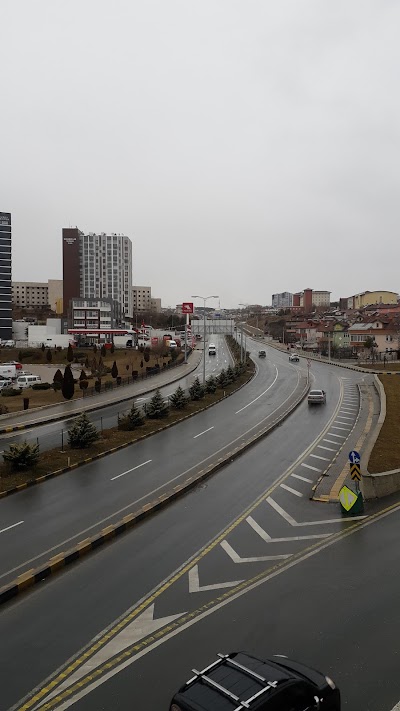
(354, 457)
(355, 472)
(347, 498)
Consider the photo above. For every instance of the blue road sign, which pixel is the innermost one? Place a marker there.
(354, 457)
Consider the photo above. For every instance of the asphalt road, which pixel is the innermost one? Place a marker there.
(54, 621)
(39, 522)
(55, 434)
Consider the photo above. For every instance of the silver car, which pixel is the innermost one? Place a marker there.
(317, 397)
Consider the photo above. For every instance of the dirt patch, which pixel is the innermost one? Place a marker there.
(386, 452)
(395, 367)
(55, 459)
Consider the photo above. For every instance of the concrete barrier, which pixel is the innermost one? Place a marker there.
(375, 486)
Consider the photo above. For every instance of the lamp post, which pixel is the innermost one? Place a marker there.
(241, 336)
(205, 298)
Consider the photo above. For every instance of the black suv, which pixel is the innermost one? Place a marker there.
(239, 681)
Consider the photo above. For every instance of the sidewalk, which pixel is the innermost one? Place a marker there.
(337, 473)
(48, 413)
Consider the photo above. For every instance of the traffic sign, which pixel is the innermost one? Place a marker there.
(355, 472)
(308, 362)
(354, 457)
(187, 307)
(347, 497)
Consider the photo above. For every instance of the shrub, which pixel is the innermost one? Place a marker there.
(10, 392)
(68, 385)
(112, 349)
(22, 456)
(24, 354)
(57, 386)
(132, 420)
(58, 378)
(82, 433)
(157, 407)
(83, 384)
(97, 385)
(41, 386)
(196, 391)
(49, 355)
(3, 409)
(146, 355)
(222, 379)
(83, 375)
(230, 374)
(178, 399)
(103, 351)
(70, 354)
(114, 370)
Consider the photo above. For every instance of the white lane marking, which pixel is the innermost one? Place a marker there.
(131, 470)
(194, 582)
(3, 530)
(332, 434)
(264, 535)
(331, 441)
(288, 518)
(397, 707)
(256, 559)
(152, 646)
(349, 408)
(302, 478)
(308, 466)
(263, 393)
(344, 419)
(334, 427)
(328, 449)
(139, 399)
(201, 433)
(318, 456)
(292, 491)
(141, 626)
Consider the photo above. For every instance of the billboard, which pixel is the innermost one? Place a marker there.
(187, 307)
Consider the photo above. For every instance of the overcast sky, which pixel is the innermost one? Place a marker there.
(245, 146)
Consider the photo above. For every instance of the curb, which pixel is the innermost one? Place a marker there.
(29, 425)
(88, 460)
(356, 368)
(88, 545)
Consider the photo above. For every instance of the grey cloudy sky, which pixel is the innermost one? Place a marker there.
(246, 146)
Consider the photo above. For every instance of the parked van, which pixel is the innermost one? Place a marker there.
(26, 381)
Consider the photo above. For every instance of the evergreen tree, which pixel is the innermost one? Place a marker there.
(68, 385)
(58, 377)
(157, 407)
(82, 433)
(93, 367)
(221, 380)
(101, 367)
(49, 355)
(103, 351)
(70, 354)
(94, 348)
(87, 363)
(230, 374)
(83, 375)
(133, 419)
(112, 349)
(196, 391)
(114, 370)
(43, 347)
(211, 384)
(178, 399)
(146, 355)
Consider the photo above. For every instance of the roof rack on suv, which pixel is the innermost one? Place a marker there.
(225, 659)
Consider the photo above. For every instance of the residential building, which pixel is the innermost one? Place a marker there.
(94, 313)
(5, 277)
(31, 294)
(309, 299)
(282, 301)
(369, 298)
(55, 297)
(141, 298)
(97, 266)
(156, 305)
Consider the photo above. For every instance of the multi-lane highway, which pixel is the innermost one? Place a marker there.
(244, 561)
(48, 435)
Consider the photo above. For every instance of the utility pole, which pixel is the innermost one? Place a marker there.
(204, 298)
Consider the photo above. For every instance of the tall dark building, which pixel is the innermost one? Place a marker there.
(5, 277)
(71, 266)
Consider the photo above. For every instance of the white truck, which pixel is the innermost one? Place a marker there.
(8, 371)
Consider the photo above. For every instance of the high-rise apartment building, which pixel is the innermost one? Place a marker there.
(5, 276)
(282, 301)
(97, 267)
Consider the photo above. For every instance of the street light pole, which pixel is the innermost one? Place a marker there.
(204, 298)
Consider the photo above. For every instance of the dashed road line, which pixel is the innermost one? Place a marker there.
(261, 394)
(8, 528)
(201, 433)
(131, 470)
(302, 478)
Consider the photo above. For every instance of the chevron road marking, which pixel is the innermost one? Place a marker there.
(292, 522)
(264, 535)
(291, 491)
(194, 582)
(257, 559)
